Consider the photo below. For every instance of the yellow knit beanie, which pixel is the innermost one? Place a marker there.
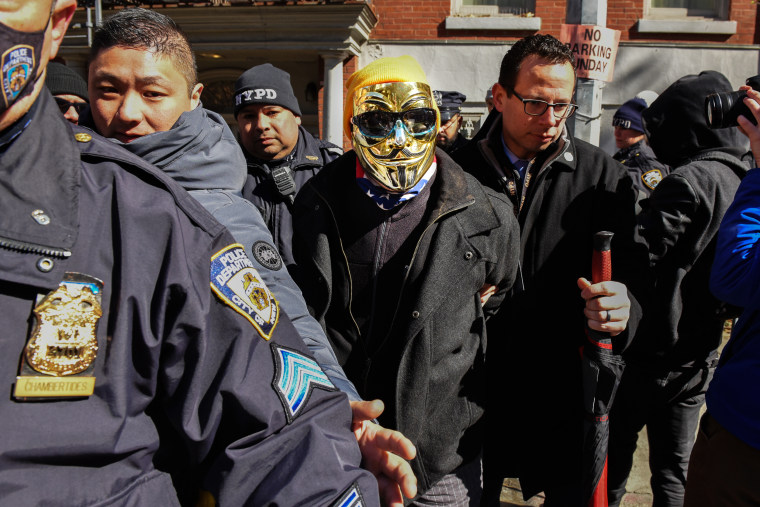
(401, 69)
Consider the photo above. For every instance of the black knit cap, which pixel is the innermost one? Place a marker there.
(62, 80)
(265, 84)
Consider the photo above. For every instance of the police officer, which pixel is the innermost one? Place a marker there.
(450, 106)
(143, 357)
(633, 151)
(197, 149)
(68, 89)
(281, 154)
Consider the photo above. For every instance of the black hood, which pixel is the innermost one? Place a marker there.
(676, 126)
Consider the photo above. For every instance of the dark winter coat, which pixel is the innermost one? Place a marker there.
(434, 352)
(575, 191)
(680, 223)
(306, 159)
(187, 391)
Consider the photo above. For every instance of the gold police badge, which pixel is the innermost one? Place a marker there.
(63, 344)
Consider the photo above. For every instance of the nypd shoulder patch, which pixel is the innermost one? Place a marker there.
(237, 283)
(652, 178)
(352, 497)
(267, 255)
(295, 377)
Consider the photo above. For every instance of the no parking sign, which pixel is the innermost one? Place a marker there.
(595, 49)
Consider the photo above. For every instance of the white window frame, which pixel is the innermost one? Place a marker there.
(681, 20)
(488, 17)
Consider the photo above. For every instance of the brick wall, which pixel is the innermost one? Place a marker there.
(425, 20)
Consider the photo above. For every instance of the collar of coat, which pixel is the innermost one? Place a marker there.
(305, 155)
(561, 152)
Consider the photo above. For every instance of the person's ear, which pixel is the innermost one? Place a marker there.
(195, 96)
(59, 23)
(499, 97)
(298, 120)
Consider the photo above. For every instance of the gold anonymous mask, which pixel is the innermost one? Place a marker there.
(394, 131)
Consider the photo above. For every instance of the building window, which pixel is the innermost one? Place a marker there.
(494, 7)
(684, 9)
(493, 15)
(707, 17)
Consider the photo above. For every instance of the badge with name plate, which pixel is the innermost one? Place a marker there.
(59, 357)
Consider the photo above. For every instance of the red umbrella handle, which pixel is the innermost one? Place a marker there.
(601, 271)
(601, 260)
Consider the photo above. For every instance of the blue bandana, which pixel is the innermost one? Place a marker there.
(387, 200)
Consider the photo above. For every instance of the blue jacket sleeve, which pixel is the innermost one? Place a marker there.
(244, 221)
(735, 276)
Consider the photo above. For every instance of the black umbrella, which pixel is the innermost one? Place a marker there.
(602, 369)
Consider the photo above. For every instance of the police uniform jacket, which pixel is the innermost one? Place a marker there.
(574, 191)
(642, 164)
(433, 355)
(306, 159)
(201, 153)
(188, 393)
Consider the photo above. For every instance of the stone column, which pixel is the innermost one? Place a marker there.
(332, 111)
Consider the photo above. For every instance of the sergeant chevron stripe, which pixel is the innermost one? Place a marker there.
(352, 497)
(295, 377)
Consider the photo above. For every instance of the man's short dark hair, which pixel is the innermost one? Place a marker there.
(139, 28)
(542, 45)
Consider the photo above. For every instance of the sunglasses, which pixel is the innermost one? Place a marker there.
(64, 105)
(379, 124)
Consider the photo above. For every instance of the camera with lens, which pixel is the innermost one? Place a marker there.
(722, 109)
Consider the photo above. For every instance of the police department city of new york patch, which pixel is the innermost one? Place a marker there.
(652, 178)
(237, 283)
(295, 377)
(352, 497)
(267, 255)
(16, 64)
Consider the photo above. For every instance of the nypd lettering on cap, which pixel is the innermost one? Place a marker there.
(295, 377)
(352, 497)
(17, 64)
(237, 283)
(254, 95)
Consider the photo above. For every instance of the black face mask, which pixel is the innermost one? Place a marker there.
(20, 54)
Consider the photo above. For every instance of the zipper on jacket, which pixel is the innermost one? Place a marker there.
(375, 270)
(24, 247)
(345, 260)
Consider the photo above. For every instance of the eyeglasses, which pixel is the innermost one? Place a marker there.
(64, 105)
(536, 107)
(379, 124)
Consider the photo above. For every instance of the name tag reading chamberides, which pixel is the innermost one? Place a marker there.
(59, 357)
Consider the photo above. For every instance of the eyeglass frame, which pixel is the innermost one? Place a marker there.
(570, 106)
(78, 106)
